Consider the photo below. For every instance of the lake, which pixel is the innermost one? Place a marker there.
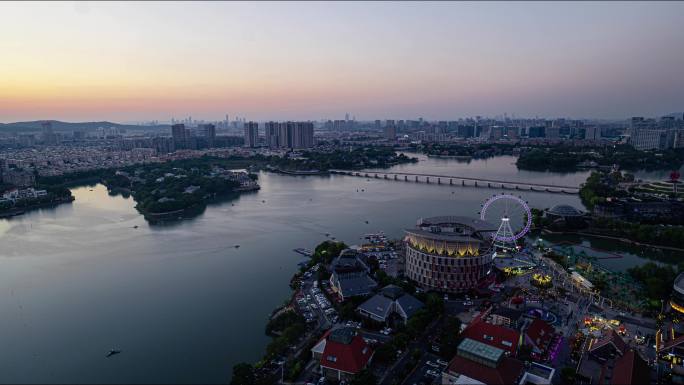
(181, 302)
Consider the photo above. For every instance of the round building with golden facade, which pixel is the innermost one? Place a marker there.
(449, 254)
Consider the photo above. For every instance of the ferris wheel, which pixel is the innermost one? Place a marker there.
(514, 216)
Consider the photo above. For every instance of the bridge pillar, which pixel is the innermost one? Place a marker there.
(406, 178)
(475, 183)
(427, 179)
(439, 181)
(489, 184)
(385, 176)
(516, 187)
(395, 176)
(451, 182)
(462, 182)
(366, 175)
(416, 178)
(376, 176)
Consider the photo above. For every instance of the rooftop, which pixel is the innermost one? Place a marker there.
(494, 336)
(565, 211)
(473, 361)
(489, 354)
(443, 236)
(679, 283)
(476, 224)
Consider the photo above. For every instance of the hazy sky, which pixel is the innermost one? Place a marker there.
(139, 61)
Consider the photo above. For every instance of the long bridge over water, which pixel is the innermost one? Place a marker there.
(453, 180)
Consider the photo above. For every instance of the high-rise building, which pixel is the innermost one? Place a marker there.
(251, 134)
(390, 130)
(592, 133)
(3, 168)
(652, 139)
(302, 136)
(553, 132)
(285, 134)
(378, 124)
(288, 134)
(339, 125)
(271, 134)
(536, 132)
(209, 131)
(180, 136)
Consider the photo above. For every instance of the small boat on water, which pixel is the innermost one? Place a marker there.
(112, 352)
(135, 227)
(237, 246)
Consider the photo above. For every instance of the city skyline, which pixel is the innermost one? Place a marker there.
(380, 60)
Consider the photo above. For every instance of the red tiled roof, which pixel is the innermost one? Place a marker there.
(631, 369)
(349, 358)
(507, 372)
(540, 333)
(610, 337)
(493, 335)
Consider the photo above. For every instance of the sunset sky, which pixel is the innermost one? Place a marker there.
(142, 61)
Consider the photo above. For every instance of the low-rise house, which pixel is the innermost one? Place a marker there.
(391, 301)
(478, 363)
(506, 317)
(609, 360)
(350, 277)
(496, 336)
(539, 336)
(19, 194)
(342, 353)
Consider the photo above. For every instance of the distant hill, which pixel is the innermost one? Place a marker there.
(59, 126)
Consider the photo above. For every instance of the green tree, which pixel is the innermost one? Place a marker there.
(243, 374)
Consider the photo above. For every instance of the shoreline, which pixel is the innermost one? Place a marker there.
(623, 240)
(14, 212)
(201, 205)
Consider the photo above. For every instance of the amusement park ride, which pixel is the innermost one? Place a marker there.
(507, 208)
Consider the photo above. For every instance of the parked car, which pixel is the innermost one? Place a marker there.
(432, 364)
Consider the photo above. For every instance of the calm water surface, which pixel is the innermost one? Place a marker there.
(180, 301)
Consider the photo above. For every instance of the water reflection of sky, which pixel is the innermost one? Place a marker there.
(180, 300)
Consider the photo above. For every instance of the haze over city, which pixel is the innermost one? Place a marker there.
(342, 193)
(139, 61)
